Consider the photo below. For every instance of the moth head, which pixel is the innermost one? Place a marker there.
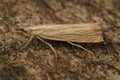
(27, 30)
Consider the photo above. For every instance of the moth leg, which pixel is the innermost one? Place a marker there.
(80, 47)
(26, 44)
(48, 45)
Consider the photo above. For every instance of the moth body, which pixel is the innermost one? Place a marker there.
(83, 33)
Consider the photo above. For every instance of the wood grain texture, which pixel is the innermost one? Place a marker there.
(87, 32)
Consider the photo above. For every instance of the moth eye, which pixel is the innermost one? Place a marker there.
(29, 32)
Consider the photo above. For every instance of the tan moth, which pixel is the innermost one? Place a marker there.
(80, 33)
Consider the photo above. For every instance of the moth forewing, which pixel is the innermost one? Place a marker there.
(87, 33)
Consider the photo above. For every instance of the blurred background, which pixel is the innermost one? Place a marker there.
(37, 61)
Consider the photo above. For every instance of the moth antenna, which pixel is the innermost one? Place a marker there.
(27, 43)
(80, 47)
(48, 45)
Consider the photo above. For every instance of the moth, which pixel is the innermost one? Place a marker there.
(79, 33)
